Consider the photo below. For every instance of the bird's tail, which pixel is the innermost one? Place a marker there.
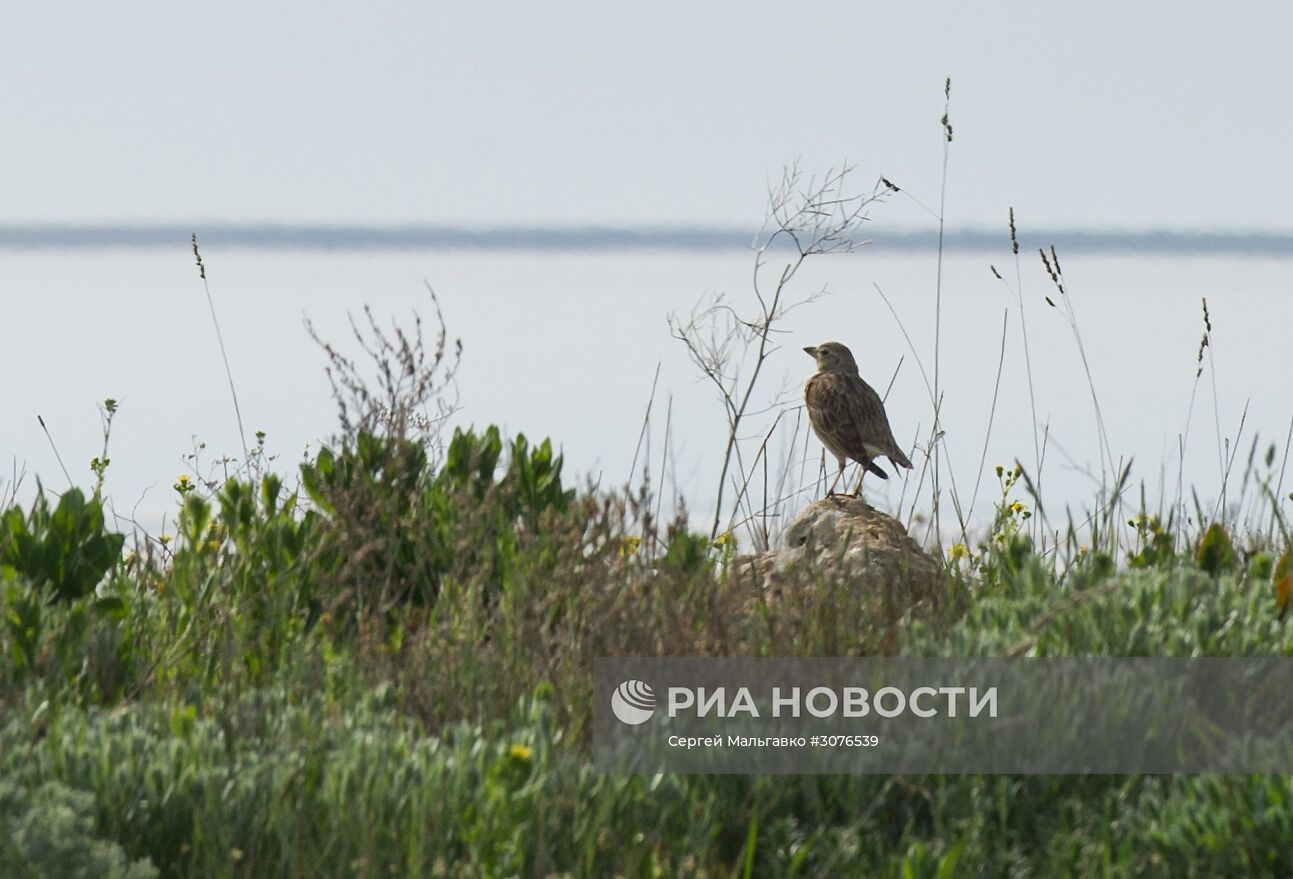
(899, 458)
(872, 467)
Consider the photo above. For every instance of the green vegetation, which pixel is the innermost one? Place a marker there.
(380, 665)
(288, 689)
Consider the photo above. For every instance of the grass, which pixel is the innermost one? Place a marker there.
(235, 706)
(380, 664)
(386, 671)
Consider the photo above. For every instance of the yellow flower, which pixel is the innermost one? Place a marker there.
(183, 484)
(630, 545)
(724, 539)
(1017, 507)
(1083, 550)
(521, 752)
(958, 551)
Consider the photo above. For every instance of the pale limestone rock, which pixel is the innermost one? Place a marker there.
(844, 540)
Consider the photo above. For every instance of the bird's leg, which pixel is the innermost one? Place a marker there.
(861, 476)
(831, 490)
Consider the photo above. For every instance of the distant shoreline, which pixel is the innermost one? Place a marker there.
(357, 237)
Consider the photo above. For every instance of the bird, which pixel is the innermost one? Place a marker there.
(848, 415)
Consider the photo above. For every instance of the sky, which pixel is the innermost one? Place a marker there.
(1103, 115)
(1096, 116)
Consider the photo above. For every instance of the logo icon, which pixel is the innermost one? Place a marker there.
(633, 702)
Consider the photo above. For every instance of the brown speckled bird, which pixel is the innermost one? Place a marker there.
(847, 414)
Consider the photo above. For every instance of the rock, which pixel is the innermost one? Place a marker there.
(845, 541)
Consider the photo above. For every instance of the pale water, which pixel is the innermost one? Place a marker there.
(566, 344)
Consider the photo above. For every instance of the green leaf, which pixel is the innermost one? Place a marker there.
(947, 866)
(750, 839)
(110, 605)
(1216, 553)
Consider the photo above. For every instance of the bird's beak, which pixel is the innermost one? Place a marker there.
(810, 351)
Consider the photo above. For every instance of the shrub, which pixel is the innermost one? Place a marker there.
(396, 528)
(48, 833)
(68, 547)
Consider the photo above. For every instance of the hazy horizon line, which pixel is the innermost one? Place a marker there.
(592, 237)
